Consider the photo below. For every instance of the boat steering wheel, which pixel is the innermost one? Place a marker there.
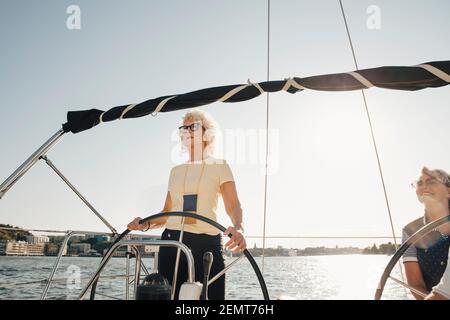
(399, 253)
(247, 254)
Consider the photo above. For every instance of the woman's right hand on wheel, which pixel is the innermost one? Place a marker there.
(135, 225)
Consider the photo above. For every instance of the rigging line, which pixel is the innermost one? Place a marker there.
(372, 134)
(267, 135)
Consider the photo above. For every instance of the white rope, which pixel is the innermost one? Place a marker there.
(236, 90)
(231, 93)
(437, 72)
(128, 108)
(256, 85)
(290, 82)
(161, 105)
(361, 79)
(101, 117)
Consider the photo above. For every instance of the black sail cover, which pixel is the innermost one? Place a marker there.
(427, 75)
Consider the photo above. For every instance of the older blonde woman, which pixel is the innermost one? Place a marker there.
(195, 186)
(426, 260)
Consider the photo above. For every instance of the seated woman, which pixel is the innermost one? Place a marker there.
(426, 260)
(195, 186)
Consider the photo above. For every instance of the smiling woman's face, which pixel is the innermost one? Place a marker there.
(432, 187)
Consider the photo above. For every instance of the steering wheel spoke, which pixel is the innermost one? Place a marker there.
(227, 267)
(400, 282)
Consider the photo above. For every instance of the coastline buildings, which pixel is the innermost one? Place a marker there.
(145, 251)
(21, 248)
(81, 248)
(34, 246)
(94, 245)
(37, 239)
(52, 249)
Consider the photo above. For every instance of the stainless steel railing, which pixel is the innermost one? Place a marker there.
(159, 243)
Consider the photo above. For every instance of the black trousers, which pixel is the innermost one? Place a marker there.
(199, 244)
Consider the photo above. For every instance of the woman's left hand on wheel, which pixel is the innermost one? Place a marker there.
(237, 242)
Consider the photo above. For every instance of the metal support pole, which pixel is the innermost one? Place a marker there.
(127, 278)
(69, 235)
(71, 186)
(177, 260)
(144, 268)
(137, 269)
(155, 261)
(30, 162)
(55, 266)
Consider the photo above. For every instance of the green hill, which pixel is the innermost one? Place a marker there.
(16, 235)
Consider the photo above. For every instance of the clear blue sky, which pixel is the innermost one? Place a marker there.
(327, 182)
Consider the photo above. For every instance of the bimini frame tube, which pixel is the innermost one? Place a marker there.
(71, 186)
(41, 154)
(29, 163)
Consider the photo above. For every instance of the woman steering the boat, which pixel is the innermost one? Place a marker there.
(195, 187)
(425, 261)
